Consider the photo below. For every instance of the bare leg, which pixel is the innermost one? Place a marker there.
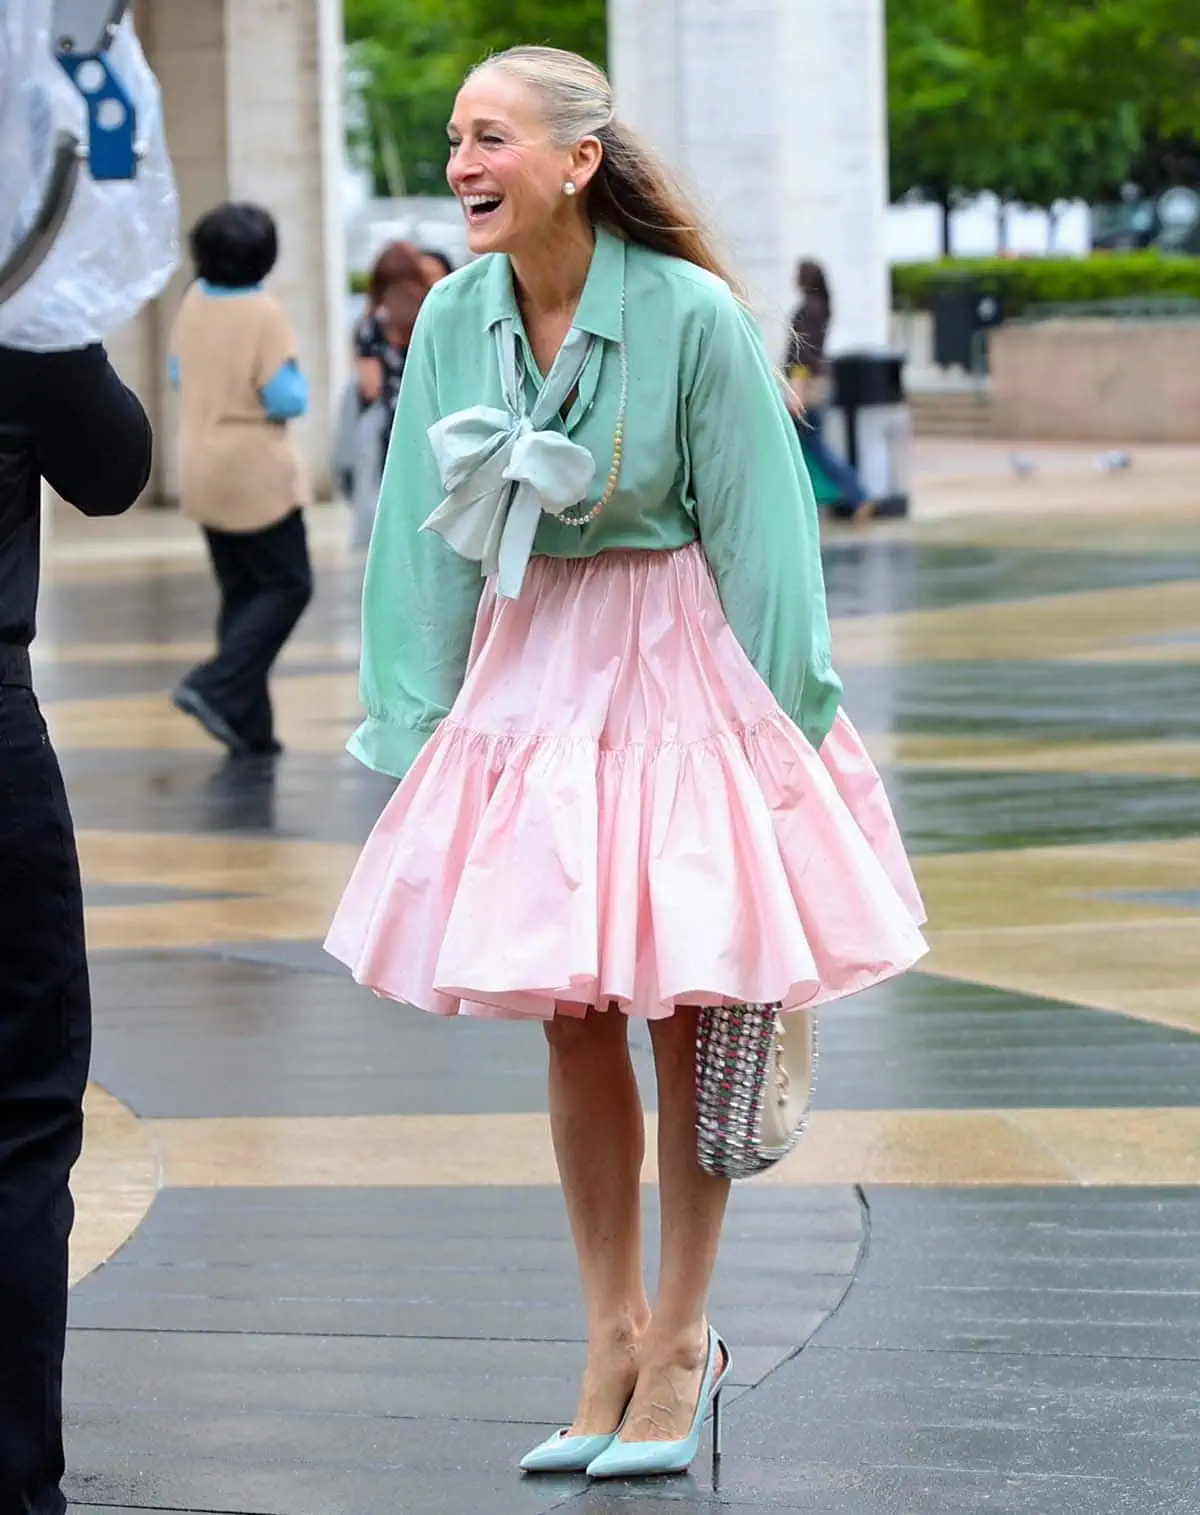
(599, 1141)
(693, 1210)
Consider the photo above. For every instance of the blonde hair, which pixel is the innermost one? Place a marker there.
(632, 191)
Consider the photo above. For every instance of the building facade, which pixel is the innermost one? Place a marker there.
(252, 95)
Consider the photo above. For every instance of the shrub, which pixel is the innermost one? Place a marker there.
(1022, 282)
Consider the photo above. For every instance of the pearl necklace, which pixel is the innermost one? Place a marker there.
(614, 473)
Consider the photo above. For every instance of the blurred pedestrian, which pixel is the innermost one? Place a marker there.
(400, 280)
(808, 373)
(233, 359)
(437, 264)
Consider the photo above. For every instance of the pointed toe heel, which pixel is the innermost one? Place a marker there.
(647, 1459)
(564, 1453)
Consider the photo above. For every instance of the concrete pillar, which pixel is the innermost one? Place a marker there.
(774, 114)
(253, 107)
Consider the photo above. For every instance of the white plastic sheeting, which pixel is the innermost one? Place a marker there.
(119, 243)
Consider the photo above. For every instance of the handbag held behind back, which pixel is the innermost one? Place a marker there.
(755, 1073)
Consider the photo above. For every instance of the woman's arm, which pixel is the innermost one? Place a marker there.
(285, 394)
(368, 360)
(369, 374)
(419, 596)
(757, 516)
(91, 435)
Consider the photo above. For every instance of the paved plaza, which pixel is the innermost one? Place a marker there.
(321, 1263)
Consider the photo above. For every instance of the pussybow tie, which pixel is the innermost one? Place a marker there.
(501, 469)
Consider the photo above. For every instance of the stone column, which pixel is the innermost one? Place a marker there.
(774, 114)
(252, 98)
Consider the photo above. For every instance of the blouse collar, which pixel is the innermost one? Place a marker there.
(603, 292)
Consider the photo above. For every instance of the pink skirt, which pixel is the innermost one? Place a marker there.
(617, 812)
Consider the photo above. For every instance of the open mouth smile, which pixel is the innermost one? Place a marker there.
(479, 207)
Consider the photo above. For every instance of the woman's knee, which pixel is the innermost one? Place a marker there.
(589, 1035)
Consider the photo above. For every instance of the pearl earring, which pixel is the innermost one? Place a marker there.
(569, 187)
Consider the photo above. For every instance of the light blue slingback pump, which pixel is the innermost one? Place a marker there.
(643, 1459)
(564, 1453)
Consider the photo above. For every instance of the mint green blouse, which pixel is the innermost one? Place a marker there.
(710, 454)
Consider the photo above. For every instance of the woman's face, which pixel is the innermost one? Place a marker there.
(505, 170)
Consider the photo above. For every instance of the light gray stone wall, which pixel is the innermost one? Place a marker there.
(774, 114)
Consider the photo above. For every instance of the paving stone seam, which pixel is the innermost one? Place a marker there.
(160, 1509)
(992, 1352)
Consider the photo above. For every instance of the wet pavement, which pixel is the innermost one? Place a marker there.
(322, 1263)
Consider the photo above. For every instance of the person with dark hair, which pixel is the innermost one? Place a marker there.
(596, 654)
(437, 264)
(234, 246)
(233, 360)
(399, 281)
(808, 373)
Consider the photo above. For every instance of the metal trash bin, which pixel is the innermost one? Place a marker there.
(871, 426)
(962, 309)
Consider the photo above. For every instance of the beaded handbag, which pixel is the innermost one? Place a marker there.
(755, 1073)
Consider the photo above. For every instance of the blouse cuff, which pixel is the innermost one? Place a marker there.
(385, 747)
(817, 722)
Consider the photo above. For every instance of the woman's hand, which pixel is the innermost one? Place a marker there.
(797, 394)
(369, 374)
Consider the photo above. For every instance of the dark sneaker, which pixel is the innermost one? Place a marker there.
(185, 698)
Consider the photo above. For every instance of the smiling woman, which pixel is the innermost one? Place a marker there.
(596, 652)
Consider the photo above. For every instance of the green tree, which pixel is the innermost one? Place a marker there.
(1039, 100)
(1144, 54)
(935, 103)
(407, 58)
(488, 26)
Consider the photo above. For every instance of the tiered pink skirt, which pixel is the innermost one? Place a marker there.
(617, 812)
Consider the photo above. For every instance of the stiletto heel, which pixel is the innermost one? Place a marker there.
(639, 1459)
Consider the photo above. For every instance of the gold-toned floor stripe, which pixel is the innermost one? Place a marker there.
(954, 1147)
(1002, 754)
(1094, 925)
(106, 654)
(115, 1181)
(126, 1162)
(314, 713)
(277, 889)
(1088, 623)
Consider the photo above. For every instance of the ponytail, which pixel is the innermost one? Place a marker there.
(634, 193)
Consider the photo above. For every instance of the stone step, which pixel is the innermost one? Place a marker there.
(951, 415)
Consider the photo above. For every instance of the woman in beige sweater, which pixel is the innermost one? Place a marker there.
(233, 360)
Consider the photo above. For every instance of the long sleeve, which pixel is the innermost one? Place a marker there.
(757, 516)
(419, 596)
(91, 434)
(285, 396)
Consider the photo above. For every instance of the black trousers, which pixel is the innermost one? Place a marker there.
(265, 581)
(45, 1045)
